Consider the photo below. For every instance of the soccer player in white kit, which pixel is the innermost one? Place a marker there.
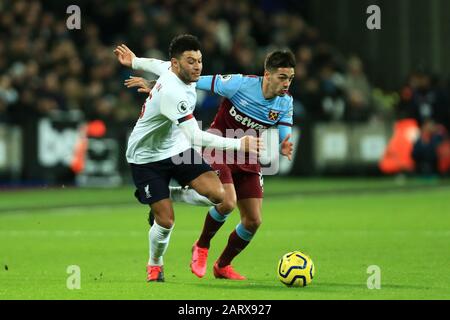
(160, 146)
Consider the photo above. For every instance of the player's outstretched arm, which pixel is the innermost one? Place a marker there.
(175, 107)
(127, 58)
(223, 85)
(205, 139)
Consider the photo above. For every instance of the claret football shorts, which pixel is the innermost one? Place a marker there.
(248, 184)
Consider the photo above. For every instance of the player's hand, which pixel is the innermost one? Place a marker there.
(124, 55)
(142, 84)
(251, 144)
(287, 147)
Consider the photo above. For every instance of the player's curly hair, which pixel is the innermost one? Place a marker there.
(279, 59)
(182, 43)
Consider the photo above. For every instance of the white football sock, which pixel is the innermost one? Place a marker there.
(179, 194)
(158, 242)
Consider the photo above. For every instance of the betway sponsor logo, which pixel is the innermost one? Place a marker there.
(246, 121)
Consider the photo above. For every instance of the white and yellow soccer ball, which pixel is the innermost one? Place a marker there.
(296, 269)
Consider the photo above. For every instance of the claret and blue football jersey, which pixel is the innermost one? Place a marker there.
(245, 107)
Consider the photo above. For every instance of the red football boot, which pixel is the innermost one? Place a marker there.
(155, 273)
(198, 261)
(227, 272)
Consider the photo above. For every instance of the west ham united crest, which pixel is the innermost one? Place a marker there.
(273, 115)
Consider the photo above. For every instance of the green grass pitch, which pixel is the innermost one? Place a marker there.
(344, 225)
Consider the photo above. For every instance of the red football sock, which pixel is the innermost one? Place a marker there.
(235, 245)
(210, 228)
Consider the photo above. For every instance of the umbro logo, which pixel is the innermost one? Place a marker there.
(243, 102)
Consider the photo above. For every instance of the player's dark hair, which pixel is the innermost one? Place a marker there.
(182, 43)
(279, 59)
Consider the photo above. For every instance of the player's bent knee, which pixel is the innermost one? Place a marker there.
(228, 205)
(217, 195)
(164, 216)
(252, 225)
(165, 222)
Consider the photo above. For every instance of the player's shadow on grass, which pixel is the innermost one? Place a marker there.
(244, 285)
(316, 287)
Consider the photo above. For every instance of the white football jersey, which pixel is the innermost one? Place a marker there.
(156, 135)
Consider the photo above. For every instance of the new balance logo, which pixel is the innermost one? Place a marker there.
(246, 121)
(147, 192)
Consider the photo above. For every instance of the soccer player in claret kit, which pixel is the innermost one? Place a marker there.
(163, 135)
(251, 102)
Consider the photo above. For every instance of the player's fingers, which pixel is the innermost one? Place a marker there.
(131, 80)
(126, 48)
(287, 145)
(139, 81)
(118, 54)
(120, 50)
(253, 148)
(132, 85)
(251, 144)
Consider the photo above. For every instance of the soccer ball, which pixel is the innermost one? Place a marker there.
(296, 269)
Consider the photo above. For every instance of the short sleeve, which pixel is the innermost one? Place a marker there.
(175, 106)
(287, 119)
(224, 85)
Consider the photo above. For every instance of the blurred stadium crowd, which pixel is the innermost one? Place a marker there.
(45, 67)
